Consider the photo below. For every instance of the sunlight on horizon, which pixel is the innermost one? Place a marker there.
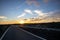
(21, 22)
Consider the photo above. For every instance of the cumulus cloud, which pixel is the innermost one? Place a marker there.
(3, 17)
(23, 14)
(28, 11)
(40, 13)
(51, 14)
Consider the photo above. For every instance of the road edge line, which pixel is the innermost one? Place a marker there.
(32, 34)
(4, 33)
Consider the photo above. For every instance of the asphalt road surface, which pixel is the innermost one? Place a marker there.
(15, 33)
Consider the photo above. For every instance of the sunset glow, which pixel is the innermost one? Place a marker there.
(29, 11)
(21, 22)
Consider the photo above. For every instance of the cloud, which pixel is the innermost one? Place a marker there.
(56, 14)
(21, 15)
(53, 16)
(3, 17)
(40, 13)
(30, 2)
(47, 15)
(28, 11)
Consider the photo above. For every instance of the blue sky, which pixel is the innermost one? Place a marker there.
(14, 8)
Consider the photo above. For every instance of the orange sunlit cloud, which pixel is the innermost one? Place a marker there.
(9, 22)
(30, 21)
(53, 18)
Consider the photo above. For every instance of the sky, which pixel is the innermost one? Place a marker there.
(16, 9)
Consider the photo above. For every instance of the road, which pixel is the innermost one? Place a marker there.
(15, 33)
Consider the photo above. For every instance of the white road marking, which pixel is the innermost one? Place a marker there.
(24, 31)
(4, 33)
(33, 34)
